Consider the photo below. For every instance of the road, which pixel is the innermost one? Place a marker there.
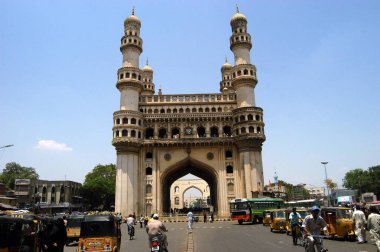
(228, 236)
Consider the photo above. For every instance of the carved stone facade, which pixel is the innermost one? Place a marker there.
(178, 200)
(160, 138)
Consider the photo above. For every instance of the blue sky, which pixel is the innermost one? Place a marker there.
(317, 64)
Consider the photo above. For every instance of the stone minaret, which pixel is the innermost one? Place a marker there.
(248, 129)
(128, 128)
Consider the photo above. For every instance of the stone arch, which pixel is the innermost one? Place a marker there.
(188, 188)
(182, 168)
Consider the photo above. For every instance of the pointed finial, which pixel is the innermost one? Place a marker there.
(226, 59)
(133, 10)
(237, 8)
(147, 62)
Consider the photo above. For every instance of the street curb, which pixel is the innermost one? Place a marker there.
(190, 242)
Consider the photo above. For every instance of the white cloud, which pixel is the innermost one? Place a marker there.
(52, 145)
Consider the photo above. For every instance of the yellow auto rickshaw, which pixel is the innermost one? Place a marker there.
(99, 233)
(19, 233)
(339, 222)
(266, 217)
(73, 227)
(277, 220)
(301, 210)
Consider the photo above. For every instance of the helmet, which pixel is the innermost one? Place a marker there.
(314, 209)
(155, 216)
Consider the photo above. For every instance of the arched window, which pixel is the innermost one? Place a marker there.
(194, 110)
(175, 133)
(162, 111)
(134, 76)
(125, 120)
(139, 122)
(229, 169)
(176, 200)
(258, 130)
(162, 133)
(228, 154)
(242, 118)
(148, 189)
(207, 110)
(148, 171)
(118, 121)
(149, 133)
(117, 133)
(227, 130)
(257, 117)
(213, 109)
(181, 110)
(133, 121)
(200, 110)
(250, 117)
(62, 196)
(124, 133)
(239, 73)
(187, 110)
(168, 111)
(245, 72)
(133, 133)
(237, 132)
(149, 111)
(139, 134)
(175, 110)
(201, 132)
(251, 129)
(236, 119)
(243, 130)
(149, 155)
(127, 75)
(220, 109)
(156, 111)
(176, 189)
(214, 132)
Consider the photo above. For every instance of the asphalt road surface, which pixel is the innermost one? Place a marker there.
(227, 236)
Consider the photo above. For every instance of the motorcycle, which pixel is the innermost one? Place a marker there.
(156, 245)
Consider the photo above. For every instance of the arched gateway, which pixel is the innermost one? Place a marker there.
(160, 138)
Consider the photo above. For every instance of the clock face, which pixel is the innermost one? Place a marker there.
(188, 131)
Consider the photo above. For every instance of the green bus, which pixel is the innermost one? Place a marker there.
(251, 210)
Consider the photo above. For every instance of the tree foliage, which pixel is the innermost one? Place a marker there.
(14, 171)
(331, 184)
(363, 180)
(99, 187)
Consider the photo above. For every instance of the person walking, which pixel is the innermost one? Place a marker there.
(141, 220)
(204, 216)
(373, 225)
(190, 218)
(360, 222)
(212, 217)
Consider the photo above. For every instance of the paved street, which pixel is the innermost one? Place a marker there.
(228, 236)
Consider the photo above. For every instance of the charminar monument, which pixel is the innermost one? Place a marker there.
(160, 138)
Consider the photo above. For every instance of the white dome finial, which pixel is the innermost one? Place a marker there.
(237, 8)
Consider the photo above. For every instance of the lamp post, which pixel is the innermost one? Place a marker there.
(327, 187)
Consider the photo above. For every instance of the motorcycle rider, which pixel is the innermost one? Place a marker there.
(156, 228)
(312, 225)
(294, 218)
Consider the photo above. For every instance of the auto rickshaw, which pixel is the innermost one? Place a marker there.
(266, 217)
(73, 227)
(339, 222)
(277, 220)
(99, 233)
(301, 210)
(19, 233)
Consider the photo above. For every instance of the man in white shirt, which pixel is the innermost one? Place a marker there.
(360, 222)
(373, 225)
(190, 218)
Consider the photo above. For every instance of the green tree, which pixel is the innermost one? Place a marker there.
(99, 187)
(14, 171)
(374, 174)
(358, 179)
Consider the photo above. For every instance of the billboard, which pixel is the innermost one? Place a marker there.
(345, 199)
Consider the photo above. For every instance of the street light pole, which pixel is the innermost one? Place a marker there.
(328, 195)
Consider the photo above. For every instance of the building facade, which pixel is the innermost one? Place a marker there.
(48, 194)
(159, 138)
(178, 200)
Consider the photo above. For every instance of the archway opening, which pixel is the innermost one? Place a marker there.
(200, 172)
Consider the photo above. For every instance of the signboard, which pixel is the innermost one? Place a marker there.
(345, 199)
(22, 181)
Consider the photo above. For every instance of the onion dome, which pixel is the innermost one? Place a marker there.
(147, 68)
(132, 18)
(226, 65)
(238, 16)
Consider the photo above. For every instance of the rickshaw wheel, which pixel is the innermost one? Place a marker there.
(240, 222)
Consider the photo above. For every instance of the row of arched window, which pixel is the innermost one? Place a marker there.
(125, 120)
(149, 171)
(186, 110)
(200, 132)
(133, 33)
(251, 129)
(240, 30)
(248, 117)
(130, 75)
(148, 86)
(127, 133)
(135, 41)
(236, 38)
